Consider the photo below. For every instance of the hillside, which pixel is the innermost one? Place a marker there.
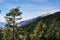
(46, 28)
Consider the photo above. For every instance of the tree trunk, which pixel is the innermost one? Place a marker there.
(13, 27)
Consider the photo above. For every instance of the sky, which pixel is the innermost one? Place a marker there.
(29, 8)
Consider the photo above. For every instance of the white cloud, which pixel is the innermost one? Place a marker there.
(38, 8)
(33, 10)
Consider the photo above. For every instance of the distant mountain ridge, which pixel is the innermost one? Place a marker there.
(25, 22)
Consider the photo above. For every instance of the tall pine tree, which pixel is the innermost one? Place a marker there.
(12, 17)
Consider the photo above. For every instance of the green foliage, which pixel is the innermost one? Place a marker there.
(46, 28)
(7, 35)
(10, 30)
(1, 33)
(14, 12)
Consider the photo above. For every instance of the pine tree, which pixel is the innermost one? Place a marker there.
(12, 17)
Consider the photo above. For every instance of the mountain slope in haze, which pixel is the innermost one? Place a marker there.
(46, 28)
(26, 22)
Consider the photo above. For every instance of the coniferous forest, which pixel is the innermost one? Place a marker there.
(44, 28)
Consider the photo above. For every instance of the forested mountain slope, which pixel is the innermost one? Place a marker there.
(46, 28)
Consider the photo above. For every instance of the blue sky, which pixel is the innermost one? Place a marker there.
(29, 8)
